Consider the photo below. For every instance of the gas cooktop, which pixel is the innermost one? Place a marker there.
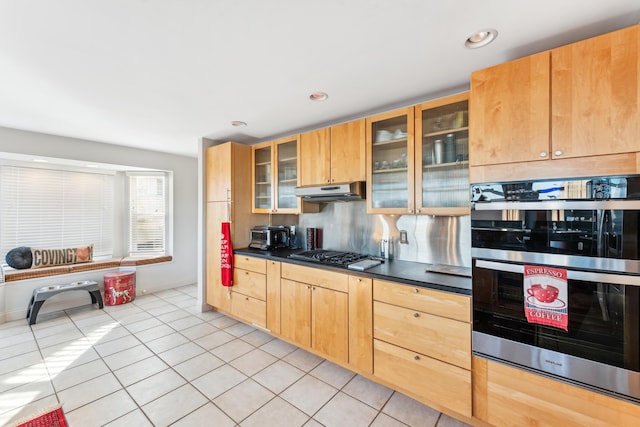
(324, 256)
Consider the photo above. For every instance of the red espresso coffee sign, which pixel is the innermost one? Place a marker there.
(546, 296)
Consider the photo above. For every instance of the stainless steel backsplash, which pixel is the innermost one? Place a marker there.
(430, 239)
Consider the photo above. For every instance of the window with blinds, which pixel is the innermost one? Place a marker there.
(148, 207)
(48, 208)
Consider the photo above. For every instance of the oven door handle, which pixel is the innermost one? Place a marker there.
(610, 204)
(585, 276)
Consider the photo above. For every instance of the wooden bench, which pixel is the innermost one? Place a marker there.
(40, 295)
(34, 273)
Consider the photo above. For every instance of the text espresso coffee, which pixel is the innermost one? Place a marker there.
(556, 279)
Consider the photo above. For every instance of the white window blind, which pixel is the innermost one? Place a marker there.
(148, 206)
(48, 208)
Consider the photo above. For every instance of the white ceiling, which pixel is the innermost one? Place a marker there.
(161, 74)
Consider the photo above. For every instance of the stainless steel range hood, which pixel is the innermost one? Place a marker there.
(332, 193)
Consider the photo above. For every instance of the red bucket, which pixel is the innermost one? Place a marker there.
(119, 287)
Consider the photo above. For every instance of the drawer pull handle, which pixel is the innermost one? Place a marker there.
(416, 357)
(416, 314)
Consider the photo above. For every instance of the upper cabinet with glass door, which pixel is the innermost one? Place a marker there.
(390, 162)
(262, 178)
(275, 177)
(286, 154)
(442, 156)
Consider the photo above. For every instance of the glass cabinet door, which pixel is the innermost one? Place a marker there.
(442, 156)
(390, 167)
(287, 169)
(262, 183)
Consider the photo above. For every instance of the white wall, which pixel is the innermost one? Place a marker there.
(14, 297)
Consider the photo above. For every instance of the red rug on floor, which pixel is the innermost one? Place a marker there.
(51, 417)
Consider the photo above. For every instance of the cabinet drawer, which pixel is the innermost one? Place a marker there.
(251, 310)
(250, 283)
(430, 301)
(316, 276)
(250, 263)
(438, 337)
(427, 379)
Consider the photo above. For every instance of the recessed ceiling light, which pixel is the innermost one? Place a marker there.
(318, 96)
(481, 38)
(238, 124)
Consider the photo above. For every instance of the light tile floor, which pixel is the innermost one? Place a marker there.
(157, 361)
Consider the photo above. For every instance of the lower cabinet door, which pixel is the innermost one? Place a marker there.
(428, 379)
(330, 322)
(251, 310)
(295, 324)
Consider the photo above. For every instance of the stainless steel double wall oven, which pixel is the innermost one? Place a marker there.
(586, 231)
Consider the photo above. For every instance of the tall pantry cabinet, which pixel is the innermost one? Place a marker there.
(228, 189)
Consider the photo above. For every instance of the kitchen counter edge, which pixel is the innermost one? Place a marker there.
(406, 272)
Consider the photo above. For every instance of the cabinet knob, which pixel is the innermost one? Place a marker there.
(417, 210)
(246, 273)
(558, 153)
(416, 290)
(410, 210)
(246, 298)
(416, 357)
(359, 280)
(543, 154)
(416, 314)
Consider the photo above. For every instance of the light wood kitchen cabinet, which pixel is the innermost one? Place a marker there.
(576, 107)
(595, 95)
(426, 379)
(273, 296)
(422, 343)
(219, 173)
(434, 336)
(506, 396)
(333, 155)
(296, 312)
(361, 323)
(442, 156)
(228, 189)
(509, 112)
(249, 290)
(315, 310)
(315, 157)
(275, 177)
(390, 162)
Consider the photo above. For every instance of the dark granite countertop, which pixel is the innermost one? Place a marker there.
(407, 272)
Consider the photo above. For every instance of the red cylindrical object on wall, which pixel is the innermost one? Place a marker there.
(318, 239)
(119, 287)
